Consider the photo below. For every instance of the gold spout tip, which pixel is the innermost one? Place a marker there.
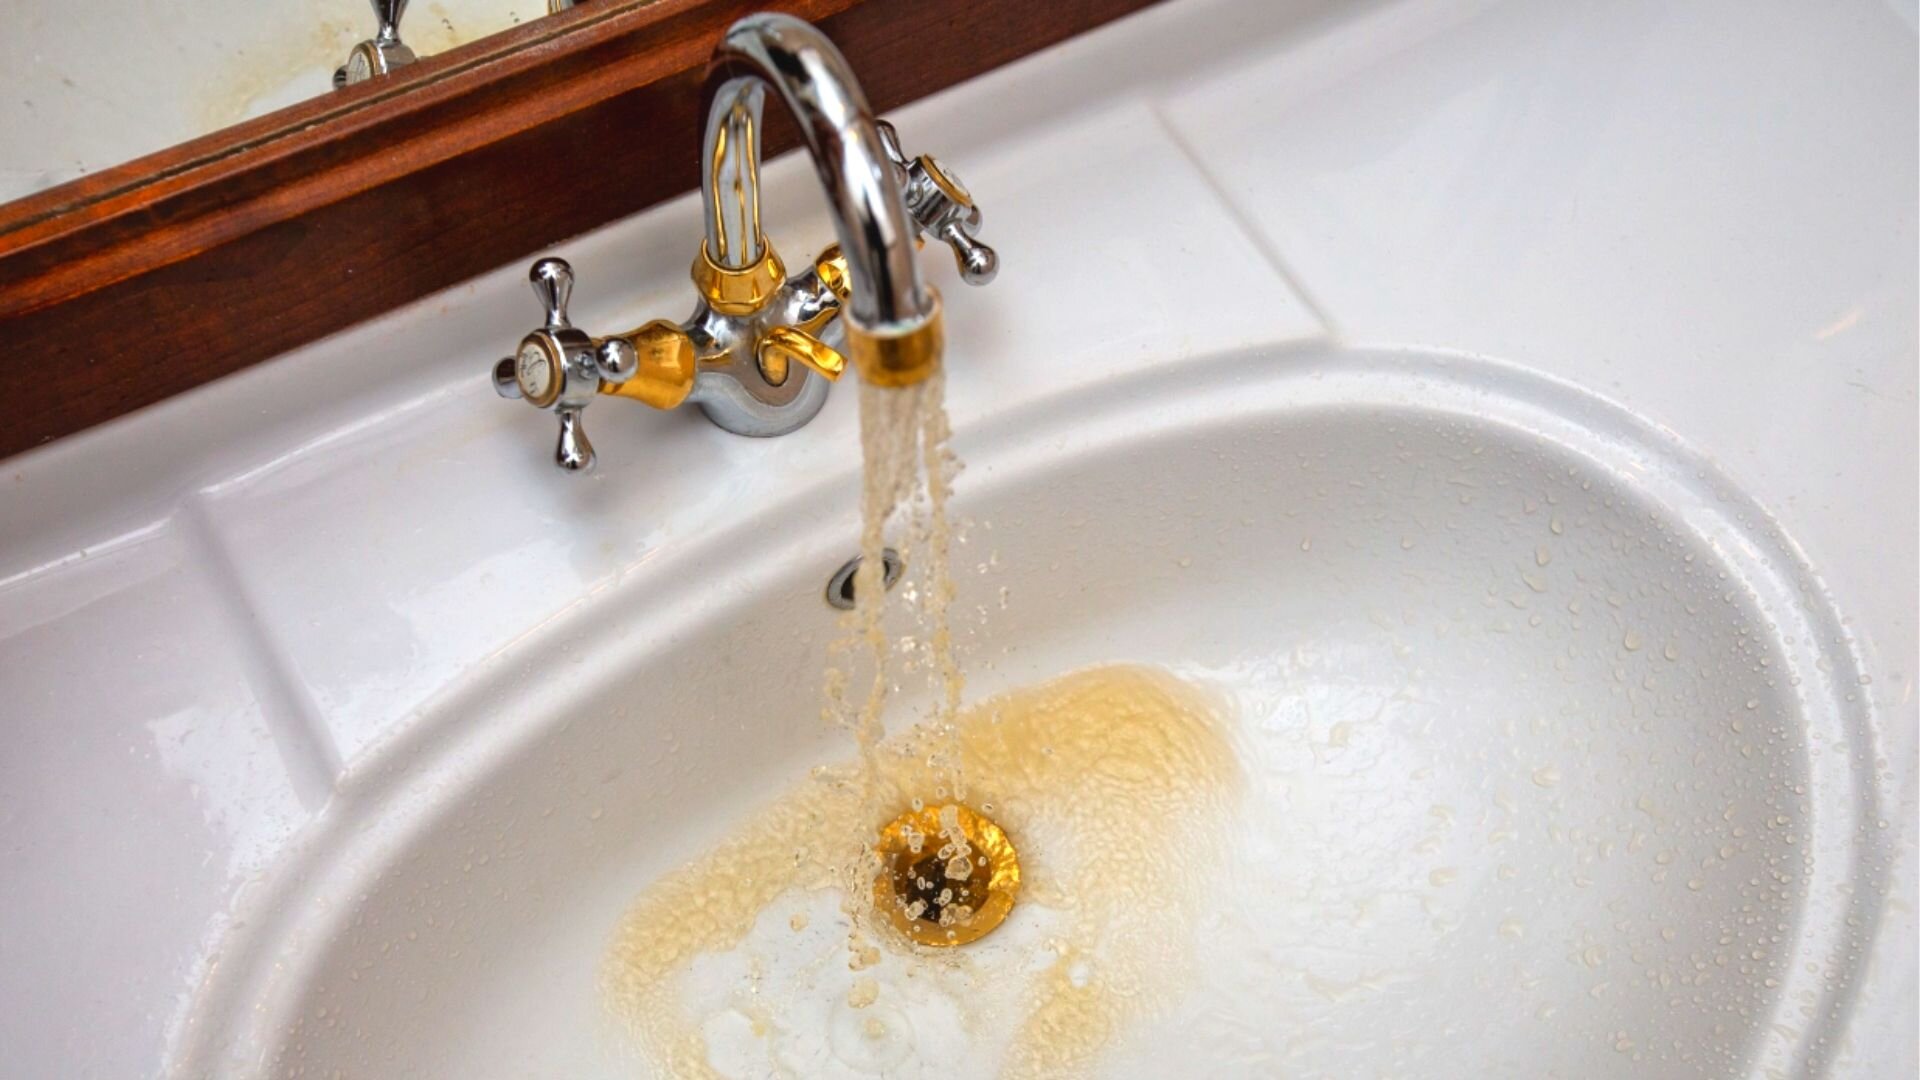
(897, 358)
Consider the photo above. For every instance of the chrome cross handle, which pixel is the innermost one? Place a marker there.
(560, 368)
(941, 207)
(380, 54)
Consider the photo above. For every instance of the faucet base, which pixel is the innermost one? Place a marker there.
(732, 407)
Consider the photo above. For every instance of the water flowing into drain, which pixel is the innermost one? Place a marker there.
(908, 478)
(1113, 779)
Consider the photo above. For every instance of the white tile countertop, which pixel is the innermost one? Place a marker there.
(215, 611)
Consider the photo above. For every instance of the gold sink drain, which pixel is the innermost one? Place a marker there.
(948, 876)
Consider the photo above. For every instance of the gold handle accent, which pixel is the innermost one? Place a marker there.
(831, 267)
(664, 376)
(784, 346)
(738, 292)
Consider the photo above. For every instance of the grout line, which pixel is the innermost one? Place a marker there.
(1243, 220)
(293, 718)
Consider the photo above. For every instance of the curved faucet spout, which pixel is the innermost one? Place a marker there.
(869, 209)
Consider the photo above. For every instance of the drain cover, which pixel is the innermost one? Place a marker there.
(948, 875)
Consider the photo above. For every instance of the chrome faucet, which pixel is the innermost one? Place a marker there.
(760, 347)
(380, 54)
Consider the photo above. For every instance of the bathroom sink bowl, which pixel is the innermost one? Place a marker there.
(1553, 761)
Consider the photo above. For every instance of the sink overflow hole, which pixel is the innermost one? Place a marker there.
(840, 586)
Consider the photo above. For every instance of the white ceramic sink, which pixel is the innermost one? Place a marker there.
(1534, 709)
(397, 722)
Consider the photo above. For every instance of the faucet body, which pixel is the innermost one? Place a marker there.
(760, 347)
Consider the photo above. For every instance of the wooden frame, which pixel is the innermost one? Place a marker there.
(125, 287)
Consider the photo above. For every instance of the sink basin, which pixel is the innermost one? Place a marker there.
(1553, 756)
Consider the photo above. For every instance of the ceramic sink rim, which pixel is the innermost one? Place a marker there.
(479, 724)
